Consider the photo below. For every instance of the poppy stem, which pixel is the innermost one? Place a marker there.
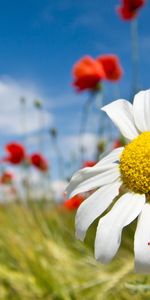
(135, 57)
(26, 183)
(24, 117)
(83, 123)
(60, 160)
(99, 104)
(116, 89)
(40, 122)
(116, 96)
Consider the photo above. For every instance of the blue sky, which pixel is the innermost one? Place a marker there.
(40, 40)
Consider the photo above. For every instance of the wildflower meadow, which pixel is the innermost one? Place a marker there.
(75, 150)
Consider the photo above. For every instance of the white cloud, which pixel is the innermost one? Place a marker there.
(88, 141)
(12, 121)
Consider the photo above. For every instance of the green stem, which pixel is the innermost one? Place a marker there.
(83, 123)
(41, 127)
(59, 159)
(99, 104)
(23, 118)
(135, 57)
(116, 89)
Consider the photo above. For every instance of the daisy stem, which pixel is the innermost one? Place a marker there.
(135, 57)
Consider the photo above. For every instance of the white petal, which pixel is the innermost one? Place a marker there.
(111, 157)
(103, 165)
(108, 236)
(94, 206)
(141, 110)
(121, 113)
(91, 178)
(142, 238)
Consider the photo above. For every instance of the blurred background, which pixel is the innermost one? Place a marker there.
(51, 125)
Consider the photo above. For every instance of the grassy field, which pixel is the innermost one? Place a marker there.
(40, 259)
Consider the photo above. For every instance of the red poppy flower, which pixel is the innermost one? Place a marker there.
(111, 65)
(119, 142)
(16, 153)
(39, 162)
(87, 73)
(74, 202)
(129, 8)
(89, 163)
(7, 177)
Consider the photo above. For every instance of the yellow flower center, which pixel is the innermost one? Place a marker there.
(135, 164)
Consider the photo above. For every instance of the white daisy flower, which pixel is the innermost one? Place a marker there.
(128, 167)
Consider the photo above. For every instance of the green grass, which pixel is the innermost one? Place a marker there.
(41, 259)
